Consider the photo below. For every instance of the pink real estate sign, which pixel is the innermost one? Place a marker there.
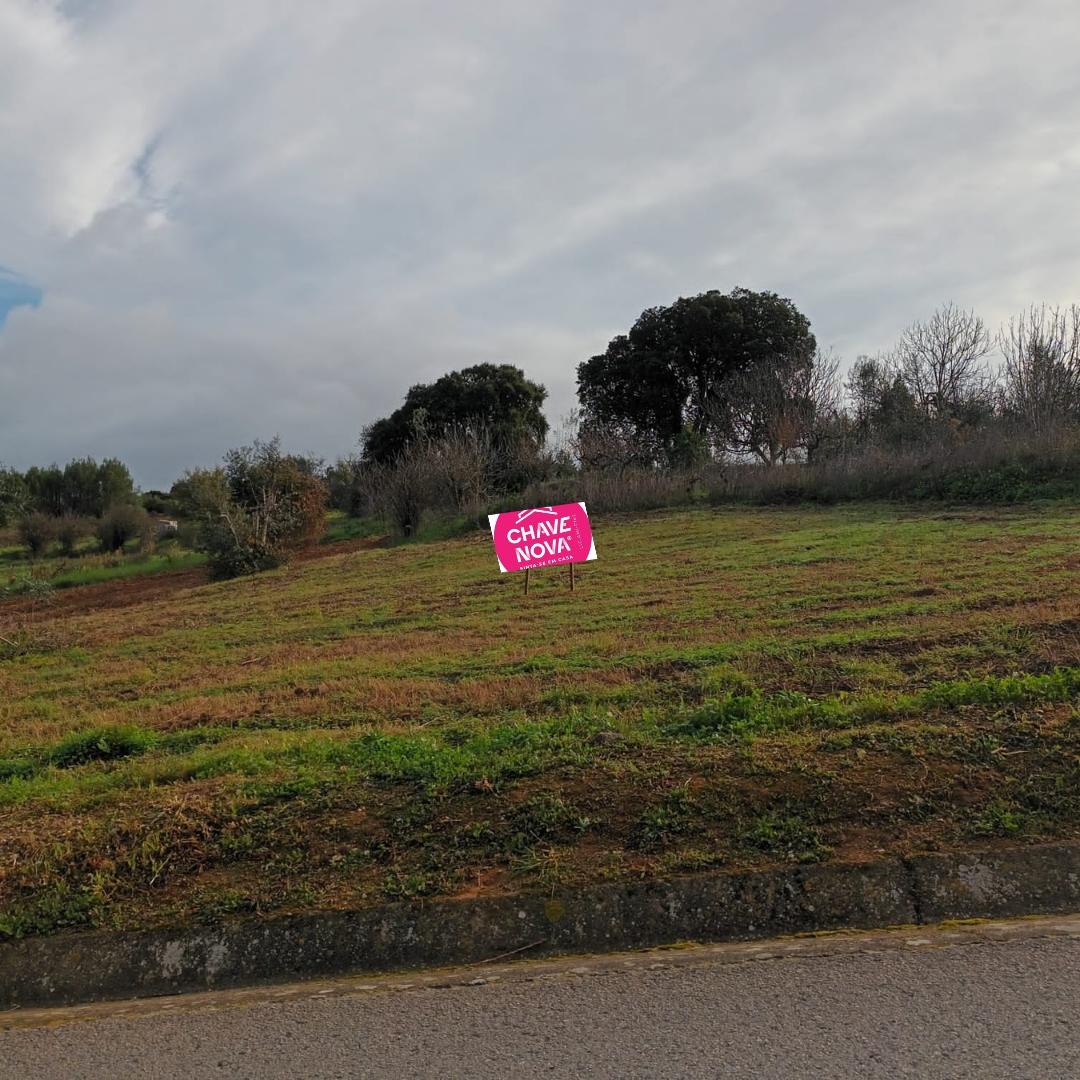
(544, 536)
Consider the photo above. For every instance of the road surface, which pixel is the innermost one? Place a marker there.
(998, 1000)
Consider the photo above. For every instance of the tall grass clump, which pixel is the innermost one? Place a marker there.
(99, 744)
(998, 464)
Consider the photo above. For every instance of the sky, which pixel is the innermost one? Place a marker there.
(225, 221)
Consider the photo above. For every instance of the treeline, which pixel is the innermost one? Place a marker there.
(716, 397)
(248, 514)
(82, 487)
(728, 397)
(67, 506)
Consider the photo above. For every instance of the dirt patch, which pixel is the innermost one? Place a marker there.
(106, 595)
(147, 588)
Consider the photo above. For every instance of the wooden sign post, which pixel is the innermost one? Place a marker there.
(573, 581)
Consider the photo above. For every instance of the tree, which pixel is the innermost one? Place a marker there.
(14, 496)
(45, 487)
(884, 410)
(82, 487)
(942, 364)
(495, 399)
(668, 375)
(114, 485)
(257, 509)
(1041, 347)
(775, 411)
(199, 492)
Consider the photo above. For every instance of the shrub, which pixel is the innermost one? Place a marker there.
(37, 588)
(123, 522)
(1000, 463)
(464, 466)
(630, 490)
(70, 529)
(349, 484)
(158, 502)
(257, 509)
(38, 532)
(408, 487)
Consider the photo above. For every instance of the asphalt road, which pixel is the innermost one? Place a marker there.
(1003, 1002)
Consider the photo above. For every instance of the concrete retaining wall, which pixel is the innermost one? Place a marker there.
(716, 907)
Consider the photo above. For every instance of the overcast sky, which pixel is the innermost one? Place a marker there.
(222, 220)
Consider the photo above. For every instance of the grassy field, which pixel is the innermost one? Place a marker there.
(725, 688)
(88, 566)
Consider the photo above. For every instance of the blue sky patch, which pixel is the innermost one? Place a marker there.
(16, 291)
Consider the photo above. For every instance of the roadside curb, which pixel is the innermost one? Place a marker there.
(74, 968)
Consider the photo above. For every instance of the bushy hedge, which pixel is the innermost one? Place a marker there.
(121, 523)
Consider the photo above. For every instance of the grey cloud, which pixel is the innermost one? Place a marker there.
(251, 218)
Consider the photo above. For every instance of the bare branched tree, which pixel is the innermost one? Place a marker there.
(452, 473)
(611, 447)
(1041, 347)
(821, 392)
(407, 487)
(942, 362)
(464, 461)
(778, 412)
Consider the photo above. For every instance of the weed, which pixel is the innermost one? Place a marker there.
(668, 818)
(32, 585)
(786, 836)
(398, 886)
(543, 817)
(999, 819)
(694, 860)
(58, 906)
(746, 715)
(212, 904)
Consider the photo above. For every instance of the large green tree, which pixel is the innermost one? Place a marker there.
(495, 399)
(666, 377)
(45, 487)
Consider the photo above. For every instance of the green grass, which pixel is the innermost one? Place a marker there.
(741, 687)
(341, 527)
(128, 566)
(89, 567)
